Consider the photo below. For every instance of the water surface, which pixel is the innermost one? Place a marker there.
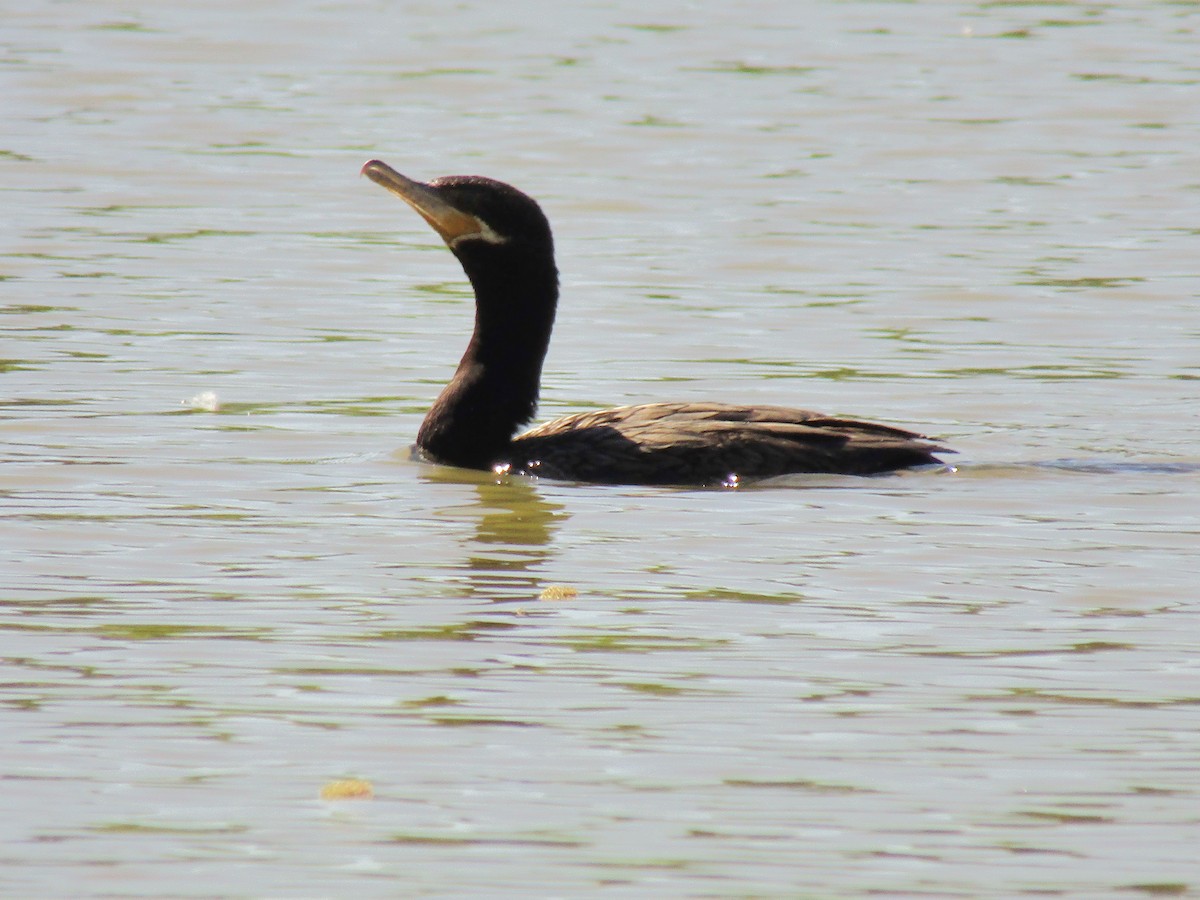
(224, 585)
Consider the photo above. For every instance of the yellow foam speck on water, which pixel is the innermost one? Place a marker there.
(347, 789)
(558, 592)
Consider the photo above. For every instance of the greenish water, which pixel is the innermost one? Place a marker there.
(223, 584)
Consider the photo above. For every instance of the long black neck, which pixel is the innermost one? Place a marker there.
(495, 388)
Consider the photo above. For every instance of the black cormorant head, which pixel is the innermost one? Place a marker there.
(472, 212)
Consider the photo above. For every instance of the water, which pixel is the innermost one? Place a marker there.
(225, 585)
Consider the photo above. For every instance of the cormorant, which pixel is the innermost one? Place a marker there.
(503, 240)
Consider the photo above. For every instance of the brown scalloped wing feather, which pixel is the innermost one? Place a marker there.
(707, 443)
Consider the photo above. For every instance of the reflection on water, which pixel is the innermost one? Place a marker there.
(972, 218)
(513, 528)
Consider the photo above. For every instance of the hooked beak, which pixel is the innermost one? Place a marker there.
(452, 224)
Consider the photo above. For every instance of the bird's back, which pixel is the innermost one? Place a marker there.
(710, 443)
